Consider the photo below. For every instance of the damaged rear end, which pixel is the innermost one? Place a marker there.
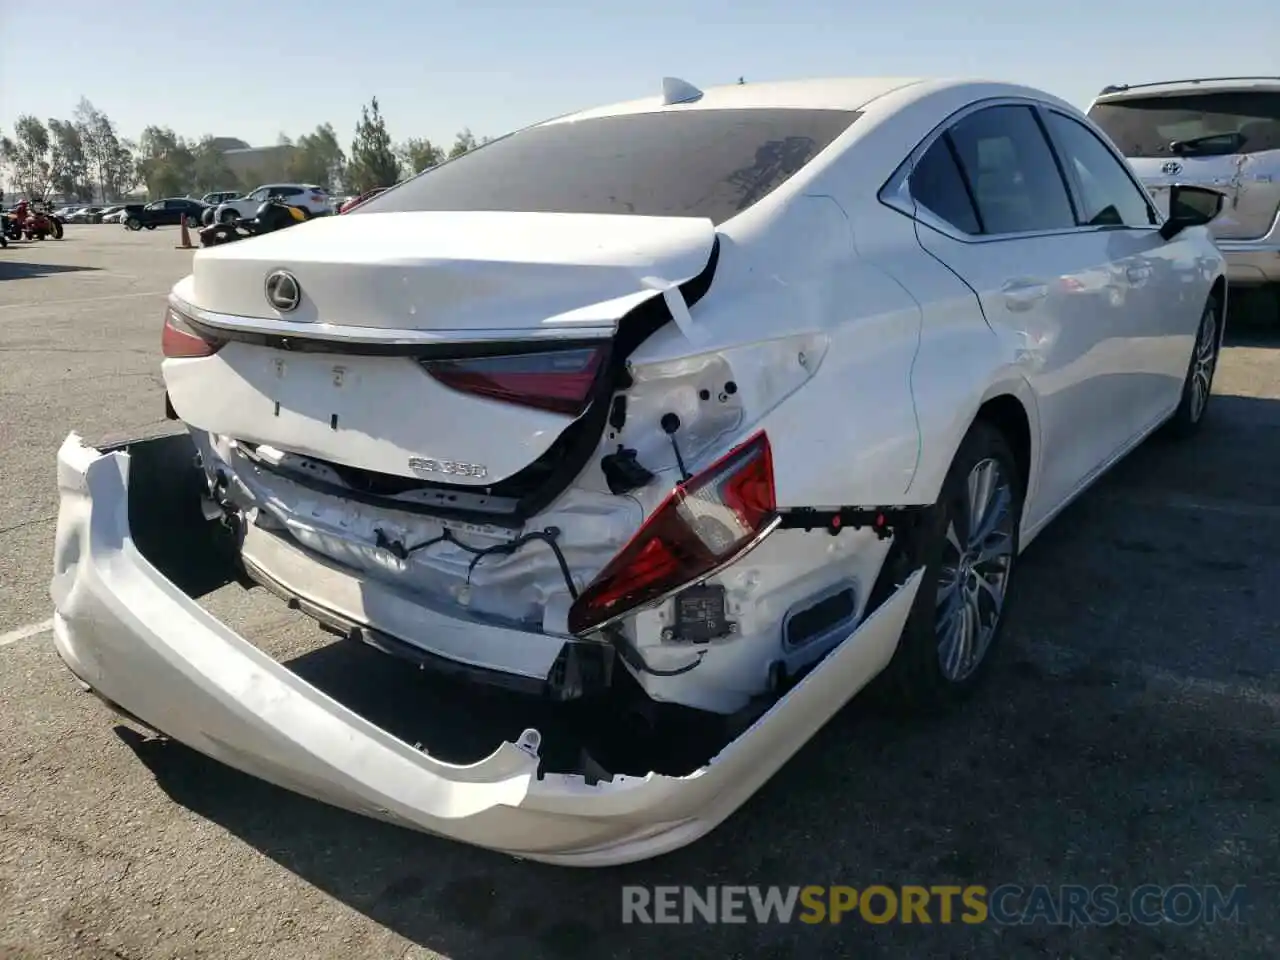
(598, 531)
(132, 634)
(513, 449)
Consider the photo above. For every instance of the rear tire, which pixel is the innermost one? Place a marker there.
(133, 223)
(959, 611)
(1197, 387)
(151, 226)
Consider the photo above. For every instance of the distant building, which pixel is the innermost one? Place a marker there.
(255, 165)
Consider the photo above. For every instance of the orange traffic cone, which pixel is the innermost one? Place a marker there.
(186, 243)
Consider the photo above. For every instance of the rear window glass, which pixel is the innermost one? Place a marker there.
(1203, 124)
(698, 163)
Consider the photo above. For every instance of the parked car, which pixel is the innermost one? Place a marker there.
(313, 199)
(352, 202)
(160, 213)
(213, 199)
(1222, 133)
(699, 418)
(84, 215)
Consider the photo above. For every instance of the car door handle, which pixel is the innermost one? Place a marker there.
(1024, 294)
(1137, 275)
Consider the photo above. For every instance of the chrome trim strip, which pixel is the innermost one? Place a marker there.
(387, 336)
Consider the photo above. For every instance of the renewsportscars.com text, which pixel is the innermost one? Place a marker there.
(1071, 905)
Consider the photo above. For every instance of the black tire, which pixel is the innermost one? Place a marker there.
(151, 226)
(133, 223)
(915, 680)
(57, 229)
(1189, 416)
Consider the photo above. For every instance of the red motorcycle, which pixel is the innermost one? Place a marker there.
(31, 221)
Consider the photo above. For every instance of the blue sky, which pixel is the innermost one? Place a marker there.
(436, 66)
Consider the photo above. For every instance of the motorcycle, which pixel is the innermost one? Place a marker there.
(272, 215)
(32, 222)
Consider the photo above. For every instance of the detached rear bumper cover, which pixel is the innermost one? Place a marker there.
(144, 645)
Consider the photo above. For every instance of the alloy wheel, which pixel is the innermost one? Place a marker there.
(1203, 364)
(977, 558)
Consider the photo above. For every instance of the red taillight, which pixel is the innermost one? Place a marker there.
(706, 521)
(180, 339)
(559, 381)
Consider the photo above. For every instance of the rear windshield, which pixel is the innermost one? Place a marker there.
(699, 163)
(1201, 124)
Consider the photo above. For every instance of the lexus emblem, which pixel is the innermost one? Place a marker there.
(1172, 168)
(283, 291)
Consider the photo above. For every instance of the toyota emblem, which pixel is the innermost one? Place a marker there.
(1172, 168)
(283, 291)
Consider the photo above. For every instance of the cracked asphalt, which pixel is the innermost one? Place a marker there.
(1128, 734)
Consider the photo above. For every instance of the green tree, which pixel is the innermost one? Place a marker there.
(68, 168)
(417, 155)
(209, 169)
(108, 158)
(318, 158)
(373, 161)
(165, 163)
(121, 168)
(464, 142)
(27, 155)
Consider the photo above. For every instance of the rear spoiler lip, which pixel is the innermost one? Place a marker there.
(378, 341)
(504, 343)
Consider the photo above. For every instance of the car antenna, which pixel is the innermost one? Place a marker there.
(675, 90)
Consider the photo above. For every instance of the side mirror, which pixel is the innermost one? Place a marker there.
(1190, 207)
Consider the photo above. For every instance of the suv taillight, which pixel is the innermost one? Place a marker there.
(181, 340)
(708, 521)
(558, 381)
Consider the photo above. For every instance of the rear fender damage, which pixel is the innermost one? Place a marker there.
(128, 631)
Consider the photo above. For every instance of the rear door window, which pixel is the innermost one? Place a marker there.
(937, 184)
(1199, 124)
(687, 163)
(1012, 172)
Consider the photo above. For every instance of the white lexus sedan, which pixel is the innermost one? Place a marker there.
(699, 412)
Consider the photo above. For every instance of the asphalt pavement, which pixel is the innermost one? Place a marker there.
(1127, 736)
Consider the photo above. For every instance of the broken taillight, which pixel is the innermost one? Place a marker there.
(706, 522)
(180, 339)
(558, 381)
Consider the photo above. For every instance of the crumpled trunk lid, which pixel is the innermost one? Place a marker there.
(473, 272)
(347, 376)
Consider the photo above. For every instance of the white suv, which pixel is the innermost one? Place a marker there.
(1221, 133)
(309, 197)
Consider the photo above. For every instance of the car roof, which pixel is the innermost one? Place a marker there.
(1167, 88)
(837, 93)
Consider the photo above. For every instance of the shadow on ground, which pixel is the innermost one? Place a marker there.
(22, 270)
(1097, 753)
(1253, 318)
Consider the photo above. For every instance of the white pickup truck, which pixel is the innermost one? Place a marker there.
(313, 199)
